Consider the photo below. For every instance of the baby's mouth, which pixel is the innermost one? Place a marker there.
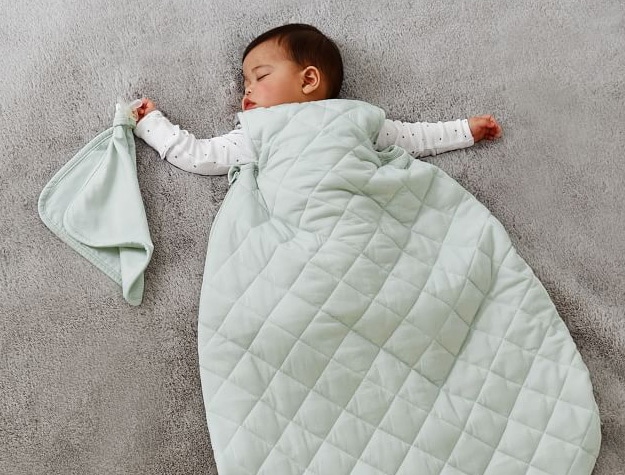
(247, 105)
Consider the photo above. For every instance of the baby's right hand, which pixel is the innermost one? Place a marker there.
(145, 108)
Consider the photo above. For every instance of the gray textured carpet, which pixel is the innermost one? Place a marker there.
(91, 385)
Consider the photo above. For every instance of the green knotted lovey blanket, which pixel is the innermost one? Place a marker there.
(93, 204)
(362, 313)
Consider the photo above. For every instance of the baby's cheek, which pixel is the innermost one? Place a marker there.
(261, 92)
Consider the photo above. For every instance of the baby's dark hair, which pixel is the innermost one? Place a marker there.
(307, 46)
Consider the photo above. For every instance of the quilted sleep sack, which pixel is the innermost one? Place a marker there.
(362, 313)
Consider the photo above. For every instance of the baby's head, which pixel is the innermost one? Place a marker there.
(291, 63)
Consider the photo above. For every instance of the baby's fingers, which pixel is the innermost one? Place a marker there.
(497, 130)
(494, 129)
(494, 133)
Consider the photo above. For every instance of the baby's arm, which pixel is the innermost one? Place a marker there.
(421, 139)
(212, 156)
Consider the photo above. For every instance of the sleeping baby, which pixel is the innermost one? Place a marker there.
(361, 312)
(295, 63)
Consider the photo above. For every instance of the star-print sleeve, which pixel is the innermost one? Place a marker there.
(182, 149)
(421, 139)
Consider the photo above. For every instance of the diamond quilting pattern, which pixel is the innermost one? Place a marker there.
(362, 313)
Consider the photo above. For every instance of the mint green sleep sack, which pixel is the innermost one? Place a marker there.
(93, 204)
(362, 313)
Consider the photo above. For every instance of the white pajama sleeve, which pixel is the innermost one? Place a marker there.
(182, 149)
(421, 139)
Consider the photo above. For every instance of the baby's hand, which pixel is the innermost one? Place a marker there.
(484, 127)
(145, 108)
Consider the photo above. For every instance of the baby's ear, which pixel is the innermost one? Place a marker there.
(311, 80)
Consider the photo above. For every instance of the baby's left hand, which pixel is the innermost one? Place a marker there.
(484, 127)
